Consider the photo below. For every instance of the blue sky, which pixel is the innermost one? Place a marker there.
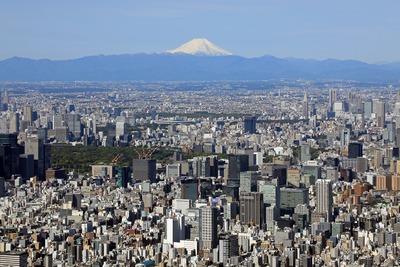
(343, 29)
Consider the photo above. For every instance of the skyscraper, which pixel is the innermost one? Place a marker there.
(175, 229)
(324, 197)
(397, 109)
(251, 208)
(248, 181)
(250, 124)
(208, 227)
(9, 155)
(14, 123)
(305, 107)
(144, 169)
(56, 121)
(355, 150)
(345, 137)
(332, 99)
(228, 247)
(271, 195)
(305, 152)
(120, 128)
(368, 108)
(237, 164)
(380, 111)
(41, 153)
(201, 167)
(123, 176)
(74, 125)
(28, 114)
(190, 189)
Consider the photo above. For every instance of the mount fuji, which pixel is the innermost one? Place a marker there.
(196, 60)
(200, 47)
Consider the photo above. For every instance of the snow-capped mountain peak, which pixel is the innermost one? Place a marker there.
(201, 47)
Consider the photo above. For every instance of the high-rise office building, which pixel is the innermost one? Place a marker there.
(14, 123)
(201, 167)
(332, 99)
(345, 137)
(380, 110)
(397, 109)
(9, 139)
(208, 227)
(2, 187)
(124, 175)
(389, 134)
(324, 197)
(305, 152)
(250, 124)
(278, 171)
(367, 108)
(120, 128)
(41, 153)
(251, 208)
(291, 197)
(56, 121)
(62, 134)
(228, 248)
(231, 210)
(26, 166)
(271, 195)
(175, 226)
(248, 181)
(92, 125)
(237, 164)
(355, 150)
(28, 114)
(42, 133)
(144, 169)
(74, 125)
(9, 155)
(190, 189)
(304, 107)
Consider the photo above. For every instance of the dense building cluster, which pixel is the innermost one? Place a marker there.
(293, 174)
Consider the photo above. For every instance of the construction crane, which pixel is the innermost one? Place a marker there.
(186, 149)
(145, 154)
(116, 158)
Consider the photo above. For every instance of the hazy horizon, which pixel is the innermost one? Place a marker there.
(310, 29)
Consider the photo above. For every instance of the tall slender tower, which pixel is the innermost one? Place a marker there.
(208, 227)
(380, 113)
(324, 197)
(305, 106)
(251, 208)
(28, 114)
(397, 110)
(332, 99)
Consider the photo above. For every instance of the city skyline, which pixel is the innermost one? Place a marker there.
(360, 30)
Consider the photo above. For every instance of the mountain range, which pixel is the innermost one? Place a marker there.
(198, 59)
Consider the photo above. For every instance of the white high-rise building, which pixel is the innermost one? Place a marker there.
(397, 110)
(175, 229)
(324, 197)
(14, 123)
(57, 121)
(120, 128)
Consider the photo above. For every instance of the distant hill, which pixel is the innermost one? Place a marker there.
(181, 66)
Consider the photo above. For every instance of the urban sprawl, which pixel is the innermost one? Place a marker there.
(235, 173)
